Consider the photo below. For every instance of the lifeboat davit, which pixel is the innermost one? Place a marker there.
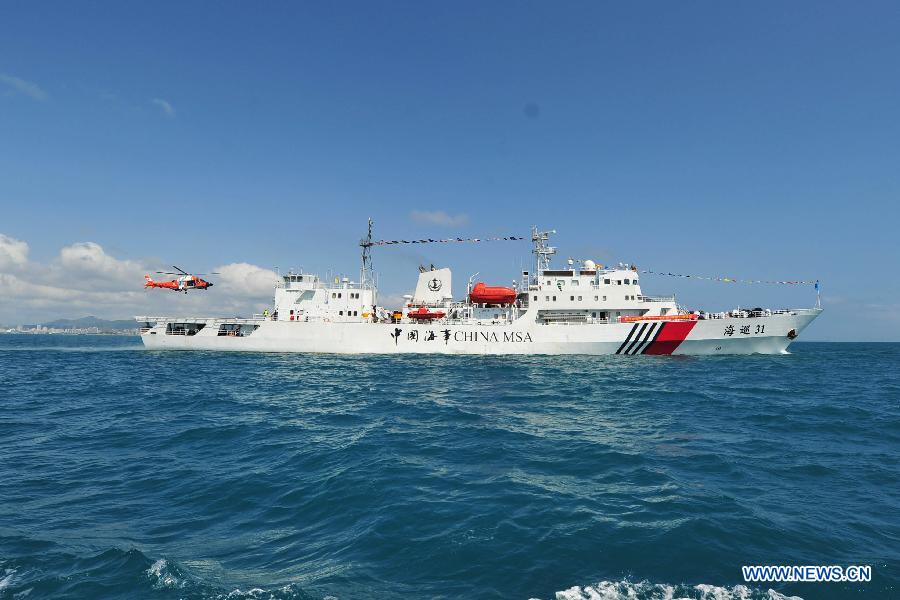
(492, 294)
(423, 314)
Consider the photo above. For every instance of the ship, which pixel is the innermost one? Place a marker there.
(581, 308)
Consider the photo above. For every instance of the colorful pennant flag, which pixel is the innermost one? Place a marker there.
(734, 279)
(510, 238)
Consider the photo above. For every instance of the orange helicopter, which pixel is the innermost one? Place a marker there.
(184, 282)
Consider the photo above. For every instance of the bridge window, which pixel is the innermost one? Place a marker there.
(574, 282)
(606, 281)
(554, 298)
(571, 298)
(579, 298)
(627, 282)
(596, 298)
(535, 298)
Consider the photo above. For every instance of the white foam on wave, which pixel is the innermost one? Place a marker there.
(288, 591)
(163, 576)
(643, 590)
(7, 579)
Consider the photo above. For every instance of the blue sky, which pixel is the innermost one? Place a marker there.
(754, 140)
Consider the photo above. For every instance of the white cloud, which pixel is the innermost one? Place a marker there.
(13, 253)
(26, 88)
(86, 280)
(89, 258)
(244, 279)
(438, 217)
(392, 301)
(165, 106)
(19, 288)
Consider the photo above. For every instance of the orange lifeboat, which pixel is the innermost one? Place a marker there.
(494, 294)
(423, 314)
(684, 317)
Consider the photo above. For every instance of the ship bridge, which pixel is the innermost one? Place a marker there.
(592, 292)
(305, 296)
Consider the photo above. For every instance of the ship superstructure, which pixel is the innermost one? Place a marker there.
(583, 308)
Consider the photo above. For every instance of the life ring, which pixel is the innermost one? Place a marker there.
(792, 334)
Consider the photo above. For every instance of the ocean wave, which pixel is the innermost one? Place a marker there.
(6, 578)
(242, 476)
(117, 573)
(165, 575)
(643, 590)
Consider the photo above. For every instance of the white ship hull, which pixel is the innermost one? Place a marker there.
(731, 335)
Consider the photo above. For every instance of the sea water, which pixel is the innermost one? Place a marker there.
(127, 473)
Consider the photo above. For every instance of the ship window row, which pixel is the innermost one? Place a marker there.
(572, 298)
(620, 282)
(353, 295)
(575, 283)
(350, 313)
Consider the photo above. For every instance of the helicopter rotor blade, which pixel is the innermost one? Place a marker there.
(177, 268)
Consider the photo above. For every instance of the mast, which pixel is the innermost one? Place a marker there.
(542, 252)
(366, 273)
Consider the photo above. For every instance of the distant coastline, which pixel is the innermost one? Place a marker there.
(14, 331)
(83, 326)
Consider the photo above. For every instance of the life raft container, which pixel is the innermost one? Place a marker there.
(492, 294)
